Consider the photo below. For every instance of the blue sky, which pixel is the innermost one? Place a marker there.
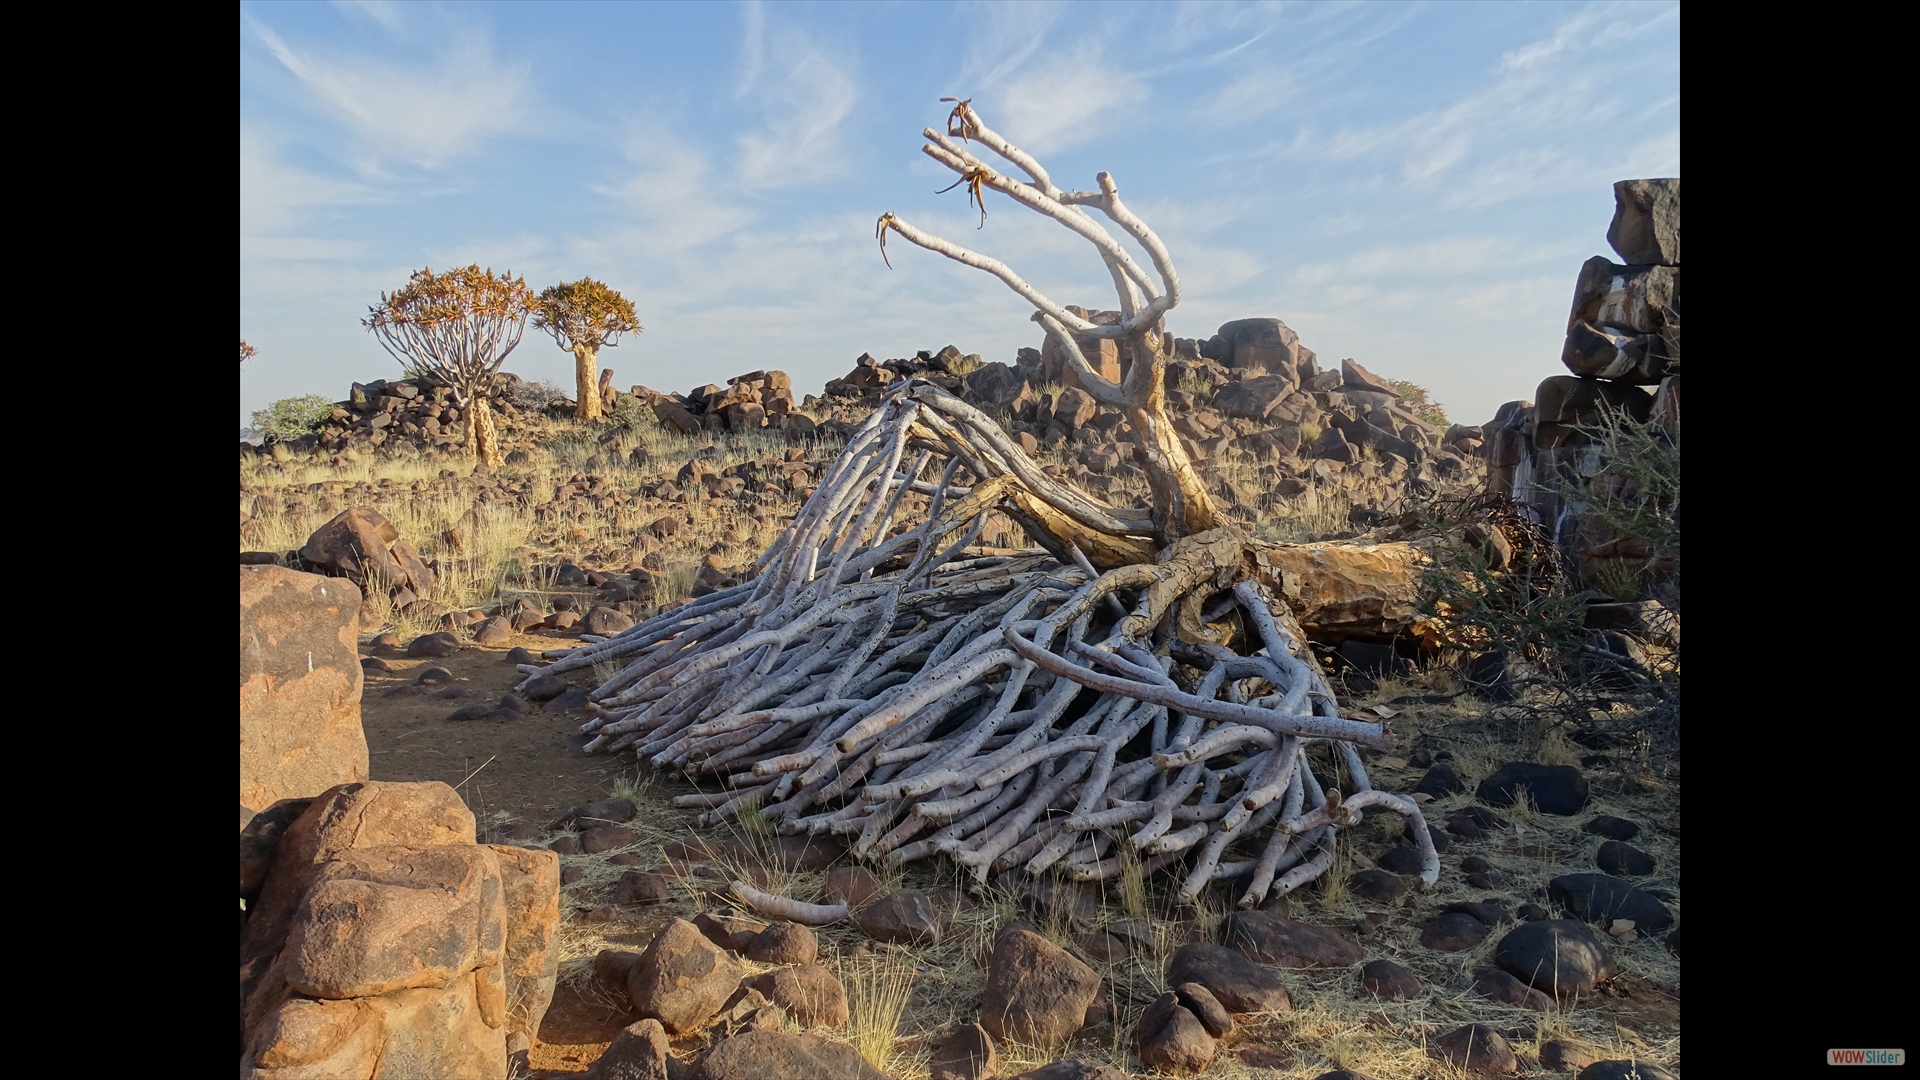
(1411, 185)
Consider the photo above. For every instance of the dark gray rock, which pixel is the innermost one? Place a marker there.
(1555, 789)
(1602, 898)
(1557, 956)
(1623, 860)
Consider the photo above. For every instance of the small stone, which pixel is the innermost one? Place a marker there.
(565, 845)
(1558, 956)
(733, 932)
(1613, 828)
(544, 688)
(571, 874)
(784, 943)
(1627, 1070)
(1237, 982)
(1496, 985)
(1532, 912)
(373, 664)
(853, 885)
(1565, 1055)
(575, 698)
(469, 712)
(1475, 864)
(641, 887)
(433, 676)
(1554, 789)
(1377, 885)
(1478, 1048)
(494, 631)
(1440, 782)
(1453, 932)
(1401, 860)
(433, 645)
(1206, 1008)
(1623, 860)
(1288, 944)
(963, 1052)
(904, 916)
(603, 838)
(1390, 981)
(808, 992)
(1602, 898)
(1171, 1039)
(602, 913)
(518, 655)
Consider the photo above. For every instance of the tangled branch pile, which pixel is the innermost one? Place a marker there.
(1132, 690)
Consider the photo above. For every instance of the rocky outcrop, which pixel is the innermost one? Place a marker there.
(387, 943)
(300, 683)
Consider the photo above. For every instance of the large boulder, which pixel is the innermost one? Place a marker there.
(1037, 992)
(1254, 399)
(1646, 221)
(639, 1052)
(530, 887)
(1260, 343)
(361, 545)
(682, 978)
(300, 683)
(994, 385)
(386, 943)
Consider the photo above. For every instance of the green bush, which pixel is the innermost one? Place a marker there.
(290, 418)
(1418, 401)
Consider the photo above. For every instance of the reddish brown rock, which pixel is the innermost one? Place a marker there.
(729, 931)
(1171, 1039)
(905, 916)
(300, 683)
(761, 1055)
(682, 979)
(530, 880)
(1037, 992)
(808, 992)
(964, 1052)
(1237, 982)
(784, 943)
(639, 1052)
(853, 885)
(1288, 944)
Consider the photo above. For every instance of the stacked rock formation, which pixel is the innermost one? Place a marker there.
(750, 402)
(383, 941)
(1250, 394)
(1622, 347)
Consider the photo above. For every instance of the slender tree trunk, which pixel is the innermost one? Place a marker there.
(1181, 505)
(483, 439)
(585, 368)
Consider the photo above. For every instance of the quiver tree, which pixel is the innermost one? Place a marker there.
(246, 350)
(456, 329)
(1140, 692)
(585, 316)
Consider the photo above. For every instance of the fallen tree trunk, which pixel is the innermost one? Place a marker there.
(1058, 710)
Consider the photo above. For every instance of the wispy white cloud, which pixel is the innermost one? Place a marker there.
(806, 91)
(1070, 99)
(424, 115)
(385, 14)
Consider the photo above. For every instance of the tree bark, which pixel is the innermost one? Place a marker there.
(587, 397)
(483, 440)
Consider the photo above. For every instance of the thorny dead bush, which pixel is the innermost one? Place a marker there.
(1526, 623)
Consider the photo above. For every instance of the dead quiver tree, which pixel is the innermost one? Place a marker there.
(1138, 692)
(456, 328)
(585, 316)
